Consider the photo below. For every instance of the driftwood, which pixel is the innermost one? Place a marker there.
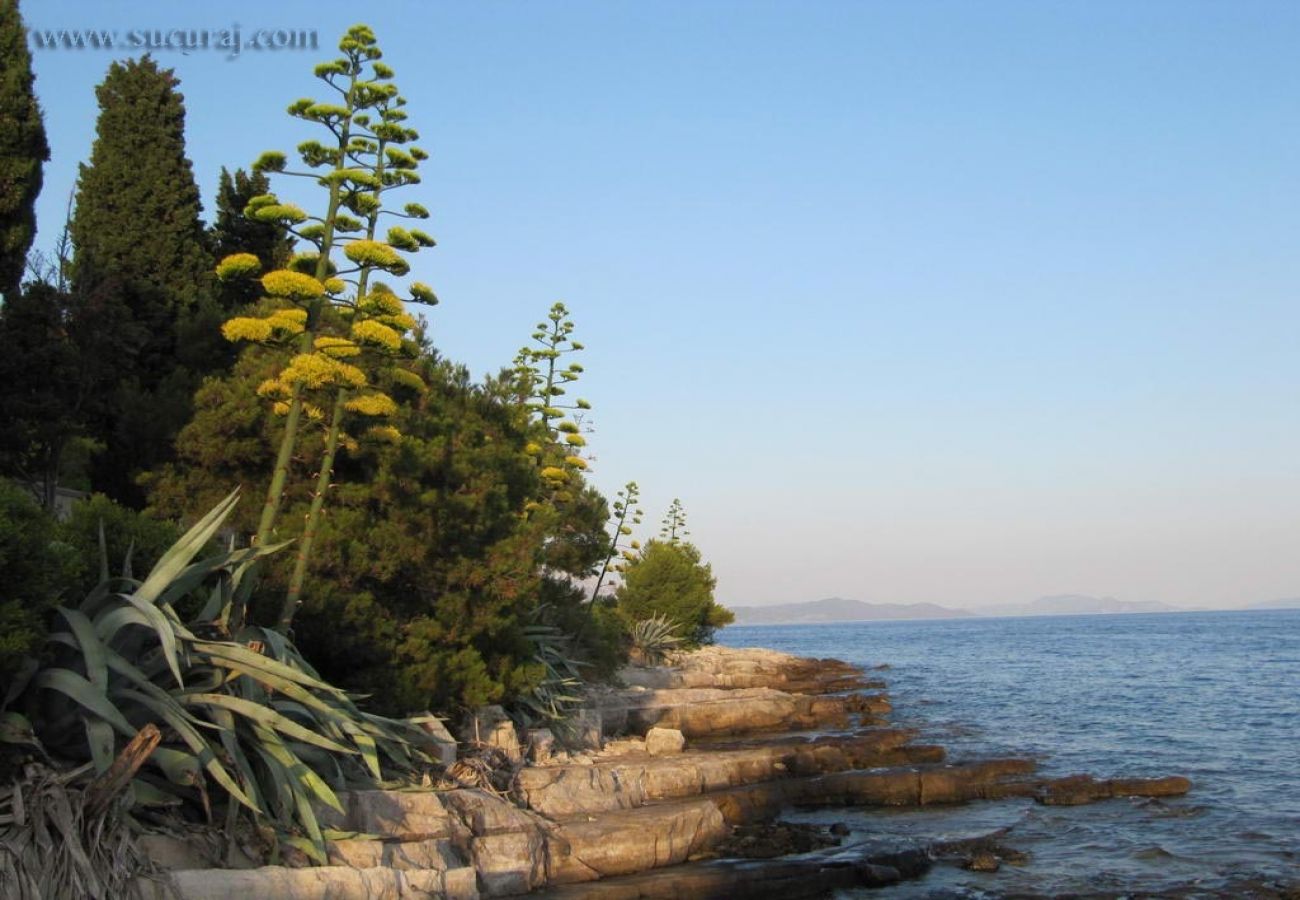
(116, 777)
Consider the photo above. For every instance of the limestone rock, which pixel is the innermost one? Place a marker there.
(541, 746)
(664, 741)
(440, 745)
(491, 727)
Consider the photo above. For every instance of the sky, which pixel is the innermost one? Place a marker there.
(955, 302)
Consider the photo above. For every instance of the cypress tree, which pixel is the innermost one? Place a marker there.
(136, 227)
(23, 148)
(235, 232)
(137, 213)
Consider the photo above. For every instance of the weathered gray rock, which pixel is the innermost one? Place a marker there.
(334, 882)
(1079, 789)
(508, 845)
(491, 727)
(636, 840)
(368, 854)
(664, 741)
(703, 712)
(587, 729)
(440, 745)
(541, 746)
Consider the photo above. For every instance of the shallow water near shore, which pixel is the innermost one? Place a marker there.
(1214, 696)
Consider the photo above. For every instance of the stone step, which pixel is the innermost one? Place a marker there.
(629, 781)
(929, 785)
(634, 840)
(334, 882)
(703, 712)
(732, 668)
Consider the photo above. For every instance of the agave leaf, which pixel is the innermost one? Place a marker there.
(257, 666)
(224, 719)
(92, 648)
(122, 666)
(179, 767)
(112, 620)
(190, 735)
(165, 630)
(69, 683)
(218, 600)
(196, 573)
(148, 794)
(16, 729)
(99, 735)
(103, 554)
(179, 554)
(126, 561)
(21, 678)
(268, 717)
(366, 744)
(306, 846)
(303, 773)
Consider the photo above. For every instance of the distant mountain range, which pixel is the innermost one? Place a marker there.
(1077, 605)
(837, 609)
(1289, 603)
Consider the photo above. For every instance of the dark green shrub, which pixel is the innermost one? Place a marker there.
(39, 570)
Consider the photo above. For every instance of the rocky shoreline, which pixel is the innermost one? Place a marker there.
(673, 786)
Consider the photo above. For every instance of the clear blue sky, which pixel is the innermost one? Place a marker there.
(912, 301)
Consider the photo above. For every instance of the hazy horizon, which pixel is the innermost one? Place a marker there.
(1180, 607)
(941, 302)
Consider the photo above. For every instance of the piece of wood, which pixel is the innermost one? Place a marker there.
(115, 779)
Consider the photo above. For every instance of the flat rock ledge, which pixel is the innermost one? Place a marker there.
(688, 766)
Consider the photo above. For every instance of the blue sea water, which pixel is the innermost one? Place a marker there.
(1213, 696)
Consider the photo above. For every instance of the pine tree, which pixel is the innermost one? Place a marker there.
(23, 148)
(669, 580)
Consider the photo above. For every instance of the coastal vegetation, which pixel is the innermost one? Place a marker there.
(303, 527)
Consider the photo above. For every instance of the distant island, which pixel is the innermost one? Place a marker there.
(1077, 605)
(838, 609)
(1286, 603)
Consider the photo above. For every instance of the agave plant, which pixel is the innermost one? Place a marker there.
(654, 638)
(557, 693)
(243, 713)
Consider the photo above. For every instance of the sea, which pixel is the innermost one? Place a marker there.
(1213, 696)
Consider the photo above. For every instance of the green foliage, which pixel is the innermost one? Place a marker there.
(234, 232)
(558, 689)
(131, 540)
(43, 387)
(139, 243)
(654, 638)
(363, 158)
(39, 569)
(425, 569)
(247, 717)
(669, 581)
(23, 149)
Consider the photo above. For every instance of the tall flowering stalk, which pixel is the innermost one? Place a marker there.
(627, 514)
(343, 324)
(543, 378)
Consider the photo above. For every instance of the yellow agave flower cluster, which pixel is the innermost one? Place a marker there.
(377, 323)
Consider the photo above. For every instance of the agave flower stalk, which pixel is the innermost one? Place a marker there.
(542, 381)
(358, 166)
(626, 515)
(391, 170)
